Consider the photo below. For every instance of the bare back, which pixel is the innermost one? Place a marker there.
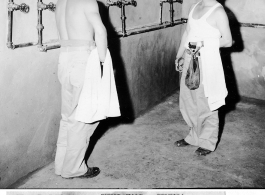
(71, 19)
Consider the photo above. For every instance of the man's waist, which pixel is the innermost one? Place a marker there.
(80, 48)
(77, 43)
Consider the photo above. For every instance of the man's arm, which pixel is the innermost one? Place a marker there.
(184, 37)
(222, 24)
(182, 42)
(93, 17)
(181, 48)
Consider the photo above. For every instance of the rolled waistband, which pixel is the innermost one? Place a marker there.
(81, 48)
(77, 45)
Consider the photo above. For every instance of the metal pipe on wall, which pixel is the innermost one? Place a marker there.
(153, 27)
(171, 9)
(123, 32)
(161, 12)
(45, 48)
(121, 4)
(41, 6)
(250, 25)
(11, 8)
(253, 25)
(130, 32)
(9, 28)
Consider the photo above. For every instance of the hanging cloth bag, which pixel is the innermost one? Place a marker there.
(192, 79)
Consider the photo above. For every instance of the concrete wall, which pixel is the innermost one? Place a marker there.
(29, 98)
(145, 63)
(249, 60)
(244, 63)
(30, 92)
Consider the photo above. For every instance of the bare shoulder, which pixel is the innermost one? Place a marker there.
(219, 13)
(192, 6)
(88, 5)
(60, 4)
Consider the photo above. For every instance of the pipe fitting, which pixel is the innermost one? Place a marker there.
(132, 2)
(171, 1)
(117, 3)
(10, 45)
(41, 6)
(40, 27)
(121, 3)
(22, 7)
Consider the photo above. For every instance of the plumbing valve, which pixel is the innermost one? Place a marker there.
(117, 3)
(170, 1)
(22, 7)
(120, 3)
(51, 6)
(132, 2)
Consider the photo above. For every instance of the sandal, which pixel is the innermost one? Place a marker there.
(202, 152)
(181, 143)
(91, 172)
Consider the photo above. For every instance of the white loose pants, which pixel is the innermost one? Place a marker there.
(203, 123)
(74, 136)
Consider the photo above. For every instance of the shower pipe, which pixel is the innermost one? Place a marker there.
(25, 8)
(133, 31)
(171, 9)
(45, 48)
(11, 8)
(121, 4)
(153, 27)
(122, 33)
(41, 7)
(251, 25)
(149, 28)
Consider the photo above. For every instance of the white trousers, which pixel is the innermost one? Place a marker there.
(203, 123)
(74, 136)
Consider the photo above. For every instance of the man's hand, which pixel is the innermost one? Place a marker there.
(179, 62)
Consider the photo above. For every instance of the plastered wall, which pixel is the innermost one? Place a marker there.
(244, 63)
(29, 97)
(30, 91)
(249, 61)
(145, 63)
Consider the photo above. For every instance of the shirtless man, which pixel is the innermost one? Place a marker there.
(207, 29)
(80, 30)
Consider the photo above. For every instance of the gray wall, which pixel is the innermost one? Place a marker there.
(30, 92)
(29, 98)
(249, 61)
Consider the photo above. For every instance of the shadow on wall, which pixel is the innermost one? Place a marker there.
(233, 95)
(126, 107)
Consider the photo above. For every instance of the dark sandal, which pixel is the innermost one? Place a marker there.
(202, 152)
(91, 172)
(181, 143)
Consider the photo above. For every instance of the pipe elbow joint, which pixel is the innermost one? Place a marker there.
(10, 45)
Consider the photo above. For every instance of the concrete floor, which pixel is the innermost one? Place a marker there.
(142, 154)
